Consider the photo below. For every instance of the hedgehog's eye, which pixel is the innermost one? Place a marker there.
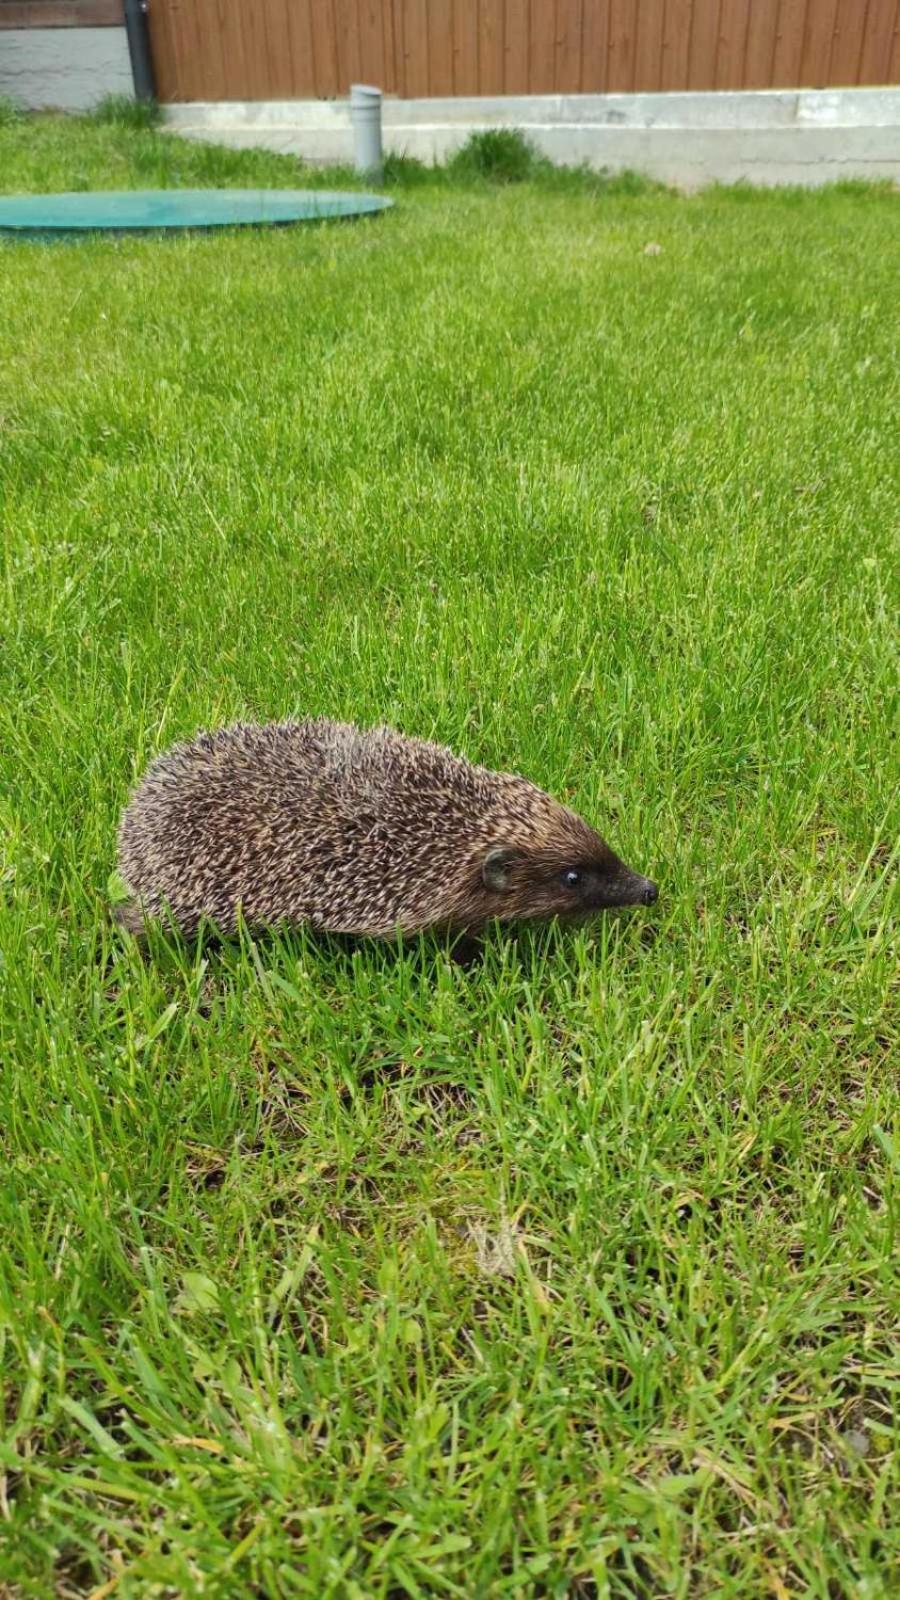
(571, 879)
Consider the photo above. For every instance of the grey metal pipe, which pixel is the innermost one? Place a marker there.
(365, 116)
(138, 36)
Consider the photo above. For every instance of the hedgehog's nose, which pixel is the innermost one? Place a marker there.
(649, 893)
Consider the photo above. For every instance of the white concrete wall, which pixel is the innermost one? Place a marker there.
(68, 68)
(766, 137)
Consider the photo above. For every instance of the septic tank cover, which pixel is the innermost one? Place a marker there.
(152, 210)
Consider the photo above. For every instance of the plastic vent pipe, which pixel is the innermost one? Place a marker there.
(365, 115)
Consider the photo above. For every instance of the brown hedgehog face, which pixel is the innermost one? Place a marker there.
(526, 885)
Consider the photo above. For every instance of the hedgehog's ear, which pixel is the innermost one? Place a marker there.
(496, 866)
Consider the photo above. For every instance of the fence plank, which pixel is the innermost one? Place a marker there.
(440, 47)
(279, 65)
(223, 81)
(187, 67)
(789, 44)
(516, 46)
(595, 47)
(346, 44)
(255, 66)
(464, 30)
(734, 16)
(163, 53)
(676, 44)
(325, 19)
(543, 47)
(817, 36)
(325, 45)
(567, 53)
(490, 47)
(397, 27)
(201, 24)
(300, 47)
(760, 50)
(376, 60)
(878, 39)
(704, 45)
(415, 47)
(622, 41)
(648, 46)
(846, 45)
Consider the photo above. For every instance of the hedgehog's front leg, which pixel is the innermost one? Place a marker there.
(466, 950)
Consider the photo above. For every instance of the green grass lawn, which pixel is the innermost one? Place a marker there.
(361, 1275)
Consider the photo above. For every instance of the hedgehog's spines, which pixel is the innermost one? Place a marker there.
(351, 832)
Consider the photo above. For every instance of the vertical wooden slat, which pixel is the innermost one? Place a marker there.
(415, 47)
(788, 44)
(732, 43)
(326, 47)
(490, 47)
(704, 45)
(817, 39)
(648, 46)
(567, 70)
(878, 40)
(220, 55)
(280, 67)
(543, 47)
(465, 47)
(181, 71)
(188, 87)
(761, 28)
(218, 10)
(300, 48)
(376, 62)
(676, 44)
(193, 24)
(440, 47)
(392, 63)
(346, 37)
(894, 63)
(846, 44)
(165, 68)
(397, 25)
(224, 24)
(253, 50)
(516, 46)
(622, 43)
(595, 47)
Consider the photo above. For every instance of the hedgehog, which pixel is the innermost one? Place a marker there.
(367, 833)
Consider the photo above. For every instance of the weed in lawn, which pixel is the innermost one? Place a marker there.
(10, 111)
(123, 111)
(501, 155)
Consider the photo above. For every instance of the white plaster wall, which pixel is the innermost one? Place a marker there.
(766, 137)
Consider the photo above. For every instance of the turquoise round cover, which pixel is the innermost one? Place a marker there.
(140, 210)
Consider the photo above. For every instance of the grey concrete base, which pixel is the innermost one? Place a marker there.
(766, 137)
(65, 68)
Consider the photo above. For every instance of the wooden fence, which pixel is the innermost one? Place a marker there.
(281, 49)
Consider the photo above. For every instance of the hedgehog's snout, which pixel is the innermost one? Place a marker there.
(633, 889)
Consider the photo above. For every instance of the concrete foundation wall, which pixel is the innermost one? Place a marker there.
(67, 68)
(766, 137)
